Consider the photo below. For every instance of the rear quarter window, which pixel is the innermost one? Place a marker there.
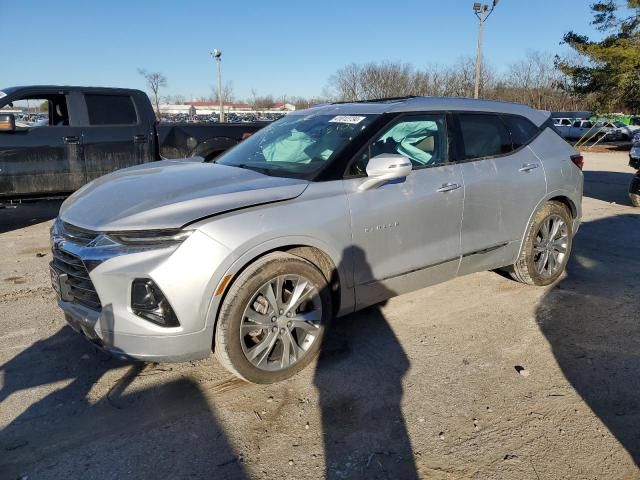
(521, 129)
(111, 110)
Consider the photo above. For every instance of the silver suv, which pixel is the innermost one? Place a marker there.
(321, 213)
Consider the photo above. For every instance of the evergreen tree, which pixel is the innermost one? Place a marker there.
(607, 71)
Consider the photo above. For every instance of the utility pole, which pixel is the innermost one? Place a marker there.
(482, 11)
(217, 56)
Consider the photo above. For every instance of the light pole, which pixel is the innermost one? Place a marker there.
(217, 56)
(482, 11)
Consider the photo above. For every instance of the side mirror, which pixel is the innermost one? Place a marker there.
(385, 167)
(7, 122)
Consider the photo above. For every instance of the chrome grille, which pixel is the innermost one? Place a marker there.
(77, 235)
(80, 283)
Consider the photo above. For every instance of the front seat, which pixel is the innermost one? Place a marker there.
(61, 115)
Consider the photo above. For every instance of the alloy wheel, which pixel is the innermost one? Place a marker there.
(280, 322)
(550, 246)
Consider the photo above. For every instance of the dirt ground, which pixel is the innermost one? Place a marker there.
(425, 386)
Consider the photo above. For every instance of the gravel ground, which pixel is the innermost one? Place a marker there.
(480, 377)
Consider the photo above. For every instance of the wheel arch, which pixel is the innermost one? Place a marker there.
(314, 254)
(567, 202)
(552, 197)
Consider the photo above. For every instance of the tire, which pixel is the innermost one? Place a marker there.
(527, 268)
(212, 156)
(303, 329)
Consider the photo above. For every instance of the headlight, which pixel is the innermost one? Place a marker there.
(150, 237)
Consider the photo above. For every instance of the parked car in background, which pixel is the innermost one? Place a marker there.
(321, 213)
(82, 133)
(575, 129)
(634, 155)
(634, 162)
(563, 122)
(616, 130)
(627, 131)
(586, 129)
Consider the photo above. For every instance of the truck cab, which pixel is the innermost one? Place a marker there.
(68, 136)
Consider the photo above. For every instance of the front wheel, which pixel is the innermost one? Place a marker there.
(273, 319)
(546, 248)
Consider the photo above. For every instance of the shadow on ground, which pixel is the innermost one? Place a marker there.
(26, 214)
(359, 381)
(167, 431)
(171, 431)
(591, 319)
(608, 186)
(358, 378)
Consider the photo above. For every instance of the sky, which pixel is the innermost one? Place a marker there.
(278, 47)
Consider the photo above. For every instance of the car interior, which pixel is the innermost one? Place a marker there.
(52, 107)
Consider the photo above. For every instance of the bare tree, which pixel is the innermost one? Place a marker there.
(534, 81)
(395, 79)
(155, 81)
(253, 99)
(260, 102)
(176, 99)
(227, 93)
(264, 102)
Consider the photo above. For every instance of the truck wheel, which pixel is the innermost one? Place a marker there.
(273, 319)
(212, 156)
(546, 248)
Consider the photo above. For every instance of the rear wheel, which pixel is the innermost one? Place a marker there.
(273, 319)
(546, 248)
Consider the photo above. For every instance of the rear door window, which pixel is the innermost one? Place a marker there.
(521, 129)
(483, 135)
(111, 110)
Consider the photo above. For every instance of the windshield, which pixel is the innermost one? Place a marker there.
(297, 145)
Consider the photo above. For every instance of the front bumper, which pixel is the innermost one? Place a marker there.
(187, 274)
(147, 348)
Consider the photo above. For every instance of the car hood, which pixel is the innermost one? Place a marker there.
(171, 194)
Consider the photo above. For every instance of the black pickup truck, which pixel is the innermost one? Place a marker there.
(82, 133)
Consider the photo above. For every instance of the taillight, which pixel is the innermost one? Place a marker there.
(246, 135)
(578, 160)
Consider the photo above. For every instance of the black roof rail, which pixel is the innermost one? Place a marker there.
(380, 100)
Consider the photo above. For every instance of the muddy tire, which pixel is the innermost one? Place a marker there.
(546, 248)
(273, 318)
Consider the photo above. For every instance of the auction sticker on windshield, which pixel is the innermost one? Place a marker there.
(353, 119)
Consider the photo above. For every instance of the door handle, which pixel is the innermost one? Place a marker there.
(448, 187)
(71, 140)
(527, 167)
(140, 138)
